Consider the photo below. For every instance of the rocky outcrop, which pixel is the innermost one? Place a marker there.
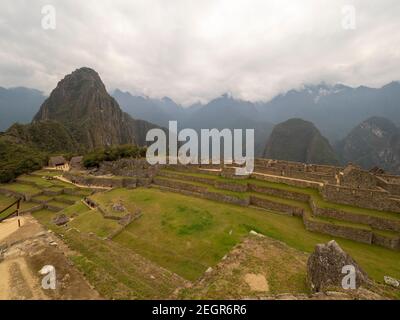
(325, 268)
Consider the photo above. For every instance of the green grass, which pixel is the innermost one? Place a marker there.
(93, 221)
(187, 235)
(75, 210)
(45, 217)
(48, 173)
(57, 204)
(5, 201)
(43, 198)
(39, 181)
(67, 197)
(21, 188)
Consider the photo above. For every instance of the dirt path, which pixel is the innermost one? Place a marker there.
(17, 281)
(9, 226)
(24, 252)
(288, 178)
(81, 185)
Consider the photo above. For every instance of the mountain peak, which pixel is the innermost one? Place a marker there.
(82, 104)
(299, 140)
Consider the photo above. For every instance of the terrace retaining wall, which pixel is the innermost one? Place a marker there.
(360, 235)
(276, 206)
(291, 195)
(100, 181)
(374, 222)
(287, 181)
(390, 243)
(370, 199)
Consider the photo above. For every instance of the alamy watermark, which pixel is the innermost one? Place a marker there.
(49, 21)
(49, 279)
(349, 21)
(188, 152)
(349, 280)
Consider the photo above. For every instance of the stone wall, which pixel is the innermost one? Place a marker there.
(235, 187)
(32, 209)
(23, 196)
(112, 182)
(276, 206)
(128, 168)
(215, 196)
(390, 243)
(363, 198)
(319, 173)
(374, 222)
(178, 176)
(360, 235)
(288, 181)
(389, 184)
(291, 195)
(179, 185)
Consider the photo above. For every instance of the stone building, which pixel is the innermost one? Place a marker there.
(58, 162)
(354, 177)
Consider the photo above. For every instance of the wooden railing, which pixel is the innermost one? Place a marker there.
(16, 203)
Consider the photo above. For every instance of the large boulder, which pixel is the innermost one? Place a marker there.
(60, 219)
(325, 268)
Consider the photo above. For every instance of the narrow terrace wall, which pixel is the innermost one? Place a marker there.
(276, 206)
(360, 235)
(288, 181)
(374, 222)
(390, 243)
(100, 181)
(279, 193)
(215, 196)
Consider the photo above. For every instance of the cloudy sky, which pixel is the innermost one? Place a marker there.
(193, 50)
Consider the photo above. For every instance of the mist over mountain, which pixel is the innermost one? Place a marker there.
(374, 142)
(334, 110)
(220, 113)
(18, 105)
(300, 141)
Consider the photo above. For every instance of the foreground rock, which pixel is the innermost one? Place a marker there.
(325, 266)
(392, 282)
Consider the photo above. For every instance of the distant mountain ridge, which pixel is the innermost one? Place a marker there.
(374, 142)
(334, 109)
(18, 105)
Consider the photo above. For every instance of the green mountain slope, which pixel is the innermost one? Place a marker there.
(299, 140)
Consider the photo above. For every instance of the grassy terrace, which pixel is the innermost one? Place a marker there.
(303, 205)
(188, 234)
(185, 235)
(21, 188)
(281, 186)
(48, 173)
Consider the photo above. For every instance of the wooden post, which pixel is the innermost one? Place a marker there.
(19, 222)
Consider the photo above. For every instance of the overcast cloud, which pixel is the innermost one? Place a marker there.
(193, 50)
